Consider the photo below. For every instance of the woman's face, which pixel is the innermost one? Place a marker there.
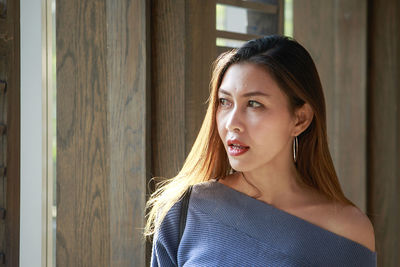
(253, 119)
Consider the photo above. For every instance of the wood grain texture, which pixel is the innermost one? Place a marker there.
(101, 132)
(10, 140)
(236, 35)
(182, 49)
(384, 128)
(127, 117)
(168, 85)
(281, 18)
(83, 223)
(350, 109)
(200, 53)
(3, 139)
(334, 32)
(183, 37)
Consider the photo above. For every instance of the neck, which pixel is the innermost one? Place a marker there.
(275, 186)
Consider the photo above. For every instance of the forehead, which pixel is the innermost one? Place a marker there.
(245, 77)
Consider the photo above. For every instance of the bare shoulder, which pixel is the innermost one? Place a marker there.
(352, 223)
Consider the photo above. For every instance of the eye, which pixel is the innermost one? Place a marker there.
(223, 102)
(254, 104)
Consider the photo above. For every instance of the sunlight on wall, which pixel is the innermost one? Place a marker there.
(288, 15)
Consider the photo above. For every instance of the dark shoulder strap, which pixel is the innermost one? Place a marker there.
(184, 210)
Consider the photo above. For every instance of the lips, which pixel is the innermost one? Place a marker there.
(236, 148)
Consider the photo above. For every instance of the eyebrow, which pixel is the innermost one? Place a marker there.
(255, 93)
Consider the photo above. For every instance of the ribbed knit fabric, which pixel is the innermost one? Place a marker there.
(227, 228)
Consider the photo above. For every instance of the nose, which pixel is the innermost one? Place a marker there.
(234, 121)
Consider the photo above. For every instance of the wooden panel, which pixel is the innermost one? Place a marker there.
(349, 128)
(83, 223)
(101, 135)
(4, 59)
(222, 49)
(334, 32)
(313, 24)
(168, 48)
(168, 86)
(128, 134)
(281, 13)
(384, 128)
(10, 139)
(237, 36)
(200, 53)
(183, 48)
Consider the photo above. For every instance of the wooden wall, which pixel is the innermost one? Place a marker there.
(168, 49)
(115, 67)
(9, 132)
(117, 63)
(384, 127)
(183, 48)
(102, 132)
(335, 34)
(356, 47)
(183, 37)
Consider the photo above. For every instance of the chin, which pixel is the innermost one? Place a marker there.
(240, 166)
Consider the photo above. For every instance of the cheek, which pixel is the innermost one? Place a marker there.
(220, 124)
(269, 130)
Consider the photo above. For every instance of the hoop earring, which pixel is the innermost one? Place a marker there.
(295, 149)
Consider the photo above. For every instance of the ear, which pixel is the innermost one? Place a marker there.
(303, 118)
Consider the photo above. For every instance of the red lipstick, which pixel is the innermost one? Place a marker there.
(236, 148)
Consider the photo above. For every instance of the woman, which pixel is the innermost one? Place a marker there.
(265, 190)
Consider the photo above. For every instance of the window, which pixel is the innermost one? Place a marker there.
(239, 21)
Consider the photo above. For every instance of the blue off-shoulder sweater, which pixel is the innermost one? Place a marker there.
(228, 228)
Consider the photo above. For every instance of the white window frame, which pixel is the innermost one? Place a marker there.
(36, 234)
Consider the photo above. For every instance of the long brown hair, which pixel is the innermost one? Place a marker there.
(294, 70)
